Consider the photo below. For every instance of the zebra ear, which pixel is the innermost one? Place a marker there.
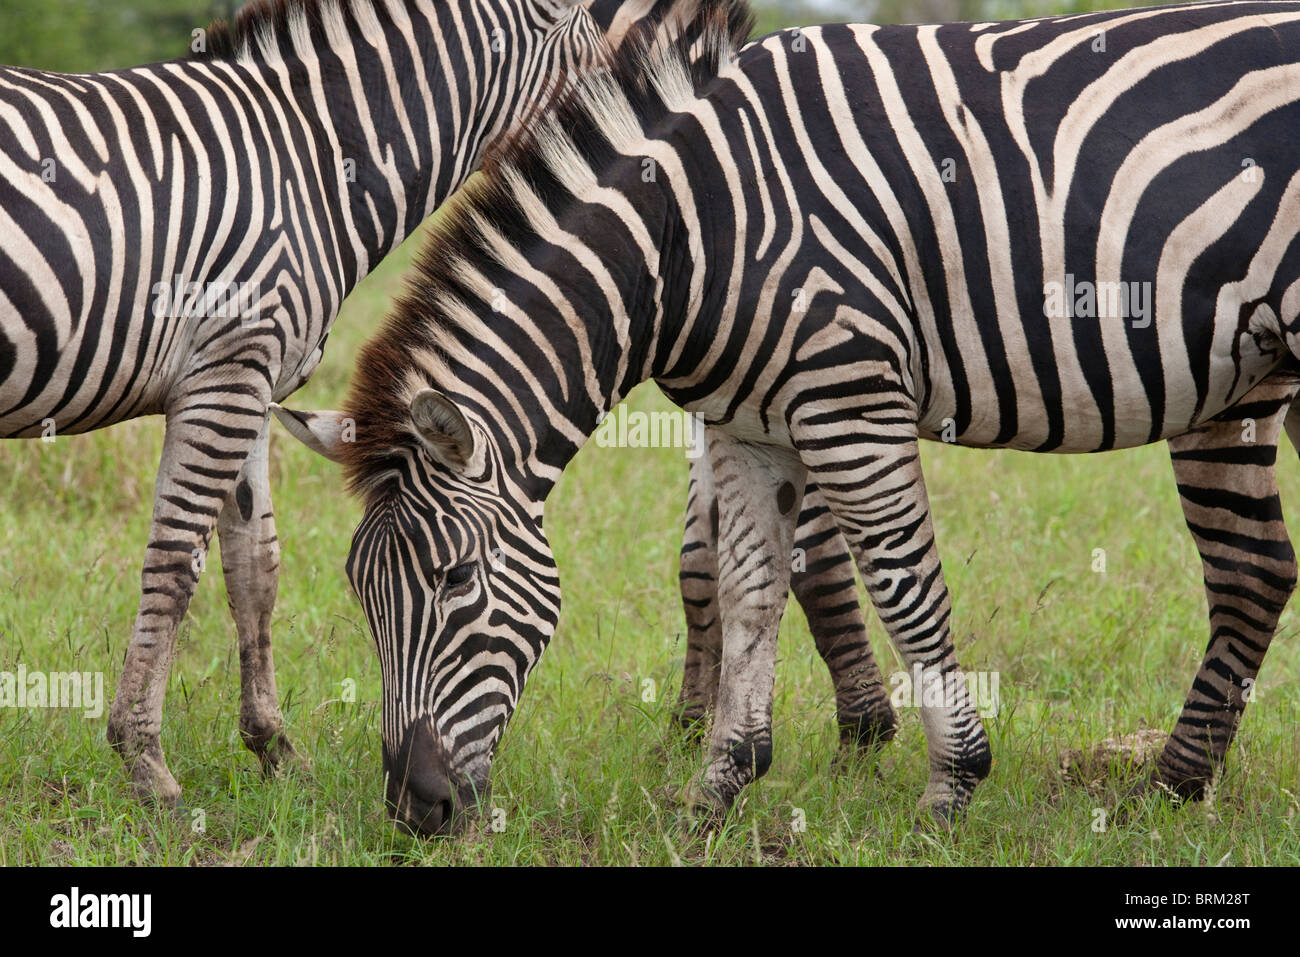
(443, 427)
(325, 433)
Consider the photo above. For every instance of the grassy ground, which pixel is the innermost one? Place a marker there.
(588, 771)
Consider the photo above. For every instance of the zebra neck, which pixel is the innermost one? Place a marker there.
(542, 371)
(406, 111)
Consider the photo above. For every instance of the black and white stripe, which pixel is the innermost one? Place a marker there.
(822, 580)
(285, 158)
(851, 244)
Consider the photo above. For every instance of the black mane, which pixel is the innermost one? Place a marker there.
(227, 40)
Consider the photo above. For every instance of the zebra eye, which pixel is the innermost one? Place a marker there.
(459, 575)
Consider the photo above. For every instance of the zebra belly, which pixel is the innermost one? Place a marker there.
(1134, 414)
(77, 385)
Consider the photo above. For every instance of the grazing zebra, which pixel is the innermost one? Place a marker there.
(177, 238)
(1063, 235)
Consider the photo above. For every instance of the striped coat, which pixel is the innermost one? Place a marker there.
(177, 239)
(1064, 235)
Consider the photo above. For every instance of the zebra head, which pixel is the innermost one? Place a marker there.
(461, 593)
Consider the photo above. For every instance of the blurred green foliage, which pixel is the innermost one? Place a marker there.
(787, 13)
(80, 36)
(86, 35)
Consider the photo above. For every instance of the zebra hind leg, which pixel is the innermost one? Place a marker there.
(698, 578)
(250, 562)
(209, 435)
(758, 492)
(824, 583)
(825, 586)
(1227, 483)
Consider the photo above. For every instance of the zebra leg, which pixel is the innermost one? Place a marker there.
(209, 435)
(250, 561)
(825, 587)
(758, 490)
(824, 583)
(874, 487)
(1227, 484)
(698, 577)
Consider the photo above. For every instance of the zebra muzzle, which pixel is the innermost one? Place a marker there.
(424, 795)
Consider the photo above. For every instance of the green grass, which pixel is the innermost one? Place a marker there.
(589, 772)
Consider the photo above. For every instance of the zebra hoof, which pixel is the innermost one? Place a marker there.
(1152, 789)
(180, 812)
(152, 783)
(704, 819)
(851, 760)
(1187, 789)
(283, 760)
(154, 786)
(276, 753)
(867, 733)
(944, 804)
(692, 723)
(937, 818)
(706, 807)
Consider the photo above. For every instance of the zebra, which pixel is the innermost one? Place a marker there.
(1152, 148)
(177, 239)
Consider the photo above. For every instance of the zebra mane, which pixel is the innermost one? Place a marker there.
(265, 29)
(592, 120)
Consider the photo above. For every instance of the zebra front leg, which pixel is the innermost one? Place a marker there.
(250, 561)
(758, 490)
(1227, 484)
(827, 590)
(870, 476)
(698, 577)
(203, 453)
